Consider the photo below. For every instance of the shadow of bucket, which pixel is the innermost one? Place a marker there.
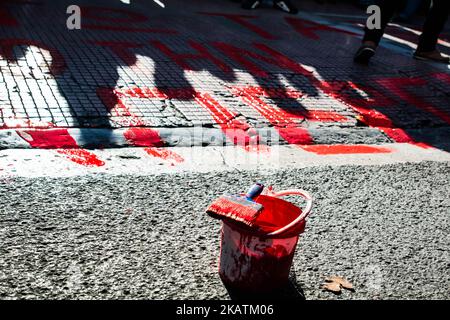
(259, 261)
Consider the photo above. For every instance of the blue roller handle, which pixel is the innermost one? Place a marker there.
(254, 191)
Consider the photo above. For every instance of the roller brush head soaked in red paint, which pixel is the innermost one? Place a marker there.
(242, 209)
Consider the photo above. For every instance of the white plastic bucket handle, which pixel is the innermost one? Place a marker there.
(305, 212)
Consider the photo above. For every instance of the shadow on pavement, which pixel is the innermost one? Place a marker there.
(292, 291)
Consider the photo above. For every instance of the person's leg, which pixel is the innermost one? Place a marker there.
(372, 37)
(286, 6)
(435, 22)
(250, 4)
(408, 11)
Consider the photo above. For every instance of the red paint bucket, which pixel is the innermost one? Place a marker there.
(260, 261)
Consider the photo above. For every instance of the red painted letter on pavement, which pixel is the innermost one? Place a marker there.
(399, 87)
(181, 58)
(308, 28)
(275, 58)
(242, 20)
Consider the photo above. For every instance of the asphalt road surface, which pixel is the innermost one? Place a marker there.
(385, 228)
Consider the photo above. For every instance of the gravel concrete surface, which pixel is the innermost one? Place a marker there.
(385, 228)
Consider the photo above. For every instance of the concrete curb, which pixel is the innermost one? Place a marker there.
(98, 138)
(53, 138)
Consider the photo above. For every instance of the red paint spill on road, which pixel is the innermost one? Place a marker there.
(113, 99)
(397, 134)
(282, 121)
(82, 157)
(327, 149)
(143, 137)
(60, 139)
(295, 135)
(48, 138)
(172, 157)
(240, 133)
(343, 91)
(252, 95)
(398, 86)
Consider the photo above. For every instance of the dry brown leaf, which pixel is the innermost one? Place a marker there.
(343, 282)
(332, 286)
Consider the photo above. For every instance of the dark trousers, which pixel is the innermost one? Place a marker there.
(435, 22)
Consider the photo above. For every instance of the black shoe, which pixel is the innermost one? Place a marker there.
(434, 56)
(364, 54)
(250, 4)
(285, 6)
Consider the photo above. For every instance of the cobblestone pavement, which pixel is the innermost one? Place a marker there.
(135, 73)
